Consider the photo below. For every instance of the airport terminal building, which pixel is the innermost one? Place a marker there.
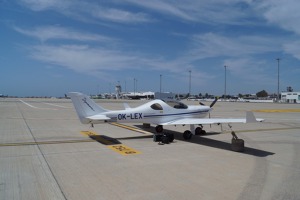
(290, 97)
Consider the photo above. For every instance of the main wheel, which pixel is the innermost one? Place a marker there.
(200, 131)
(159, 128)
(187, 135)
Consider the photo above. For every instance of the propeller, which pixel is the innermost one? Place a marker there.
(213, 103)
(202, 104)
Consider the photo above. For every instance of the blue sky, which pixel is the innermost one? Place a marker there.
(51, 47)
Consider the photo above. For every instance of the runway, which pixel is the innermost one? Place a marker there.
(45, 153)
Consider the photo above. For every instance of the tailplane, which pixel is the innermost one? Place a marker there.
(85, 107)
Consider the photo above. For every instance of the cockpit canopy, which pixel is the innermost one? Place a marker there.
(156, 106)
(176, 104)
(173, 104)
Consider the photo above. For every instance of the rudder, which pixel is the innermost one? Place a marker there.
(84, 106)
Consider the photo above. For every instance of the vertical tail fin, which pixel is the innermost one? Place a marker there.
(250, 118)
(84, 106)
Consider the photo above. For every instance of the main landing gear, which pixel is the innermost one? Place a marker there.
(187, 135)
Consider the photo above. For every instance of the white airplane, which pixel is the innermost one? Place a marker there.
(157, 112)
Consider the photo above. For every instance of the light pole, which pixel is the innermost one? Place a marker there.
(160, 86)
(278, 60)
(134, 85)
(190, 82)
(125, 87)
(225, 81)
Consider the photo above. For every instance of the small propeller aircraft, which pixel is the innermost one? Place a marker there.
(158, 112)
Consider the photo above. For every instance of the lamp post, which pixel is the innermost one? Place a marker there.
(225, 82)
(160, 86)
(190, 82)
(134, 86)
(278, 60)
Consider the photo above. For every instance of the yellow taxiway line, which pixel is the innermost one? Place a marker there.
(44, 142)
(277, 110)
(130, 128)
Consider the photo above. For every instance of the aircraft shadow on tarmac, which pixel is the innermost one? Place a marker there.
(227, 146)
(106, 140)
(202, 140)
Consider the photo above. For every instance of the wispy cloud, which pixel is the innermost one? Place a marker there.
(224, 36)
(121, 16)
(82, 10)
(229, 11)
(40, 5)
(214, 45)
(249, 69)
(284, 14)
(83, 58)
(164, 7)
(57, 33)
(293, 48)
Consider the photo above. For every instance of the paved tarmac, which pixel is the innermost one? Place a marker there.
(45, 153)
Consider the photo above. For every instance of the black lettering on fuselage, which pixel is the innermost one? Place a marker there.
(130, 116)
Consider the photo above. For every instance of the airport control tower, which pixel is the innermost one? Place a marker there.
(118, 91)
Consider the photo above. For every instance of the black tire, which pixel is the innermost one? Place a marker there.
(171, 137)
(187, 135)
(165, 139)
(198, 131)
(159, 128)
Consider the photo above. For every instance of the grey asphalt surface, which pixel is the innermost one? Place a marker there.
(44, 155)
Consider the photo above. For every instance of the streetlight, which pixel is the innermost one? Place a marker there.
(190, 84)
(160, 86)
(278, 60)
(134, 85)
(225, 82)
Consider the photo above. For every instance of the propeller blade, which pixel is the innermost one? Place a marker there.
(202, 104)
(213, 103)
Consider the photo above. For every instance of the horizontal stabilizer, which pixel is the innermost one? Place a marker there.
(98, 118)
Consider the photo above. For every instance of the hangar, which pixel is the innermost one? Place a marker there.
(290, 97)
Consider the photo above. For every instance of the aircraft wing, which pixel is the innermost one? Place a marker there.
(250, 118)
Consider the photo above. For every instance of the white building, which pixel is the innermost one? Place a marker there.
(290, 97)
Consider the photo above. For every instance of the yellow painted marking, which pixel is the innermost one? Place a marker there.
(96, 137)
(120, 148)
(130, 128)
(88, 133)
(45, 142)
(124, 150)
(277, 110)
